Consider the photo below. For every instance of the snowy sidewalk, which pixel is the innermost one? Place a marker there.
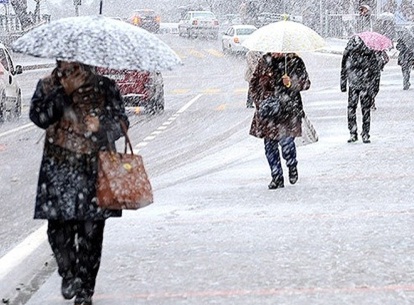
(217, 235)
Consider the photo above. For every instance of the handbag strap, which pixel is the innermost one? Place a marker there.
(127, 140)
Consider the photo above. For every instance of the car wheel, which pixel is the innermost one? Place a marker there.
(2, 107)
(17, 109)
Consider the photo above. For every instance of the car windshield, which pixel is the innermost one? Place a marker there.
(204, 15)
(246, 31)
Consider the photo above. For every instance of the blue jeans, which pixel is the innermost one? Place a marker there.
(273, 157)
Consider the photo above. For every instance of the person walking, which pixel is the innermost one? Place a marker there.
(361, 71)
(284, 75)
(252, 59)
(405, 60)
(82, 114)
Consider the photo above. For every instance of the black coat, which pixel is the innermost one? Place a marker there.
(406, 54)
(66, 187)
(361, 67)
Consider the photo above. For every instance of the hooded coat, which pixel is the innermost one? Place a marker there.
(68, 172)
(267, 80)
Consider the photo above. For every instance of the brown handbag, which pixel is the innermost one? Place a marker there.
(122, 180)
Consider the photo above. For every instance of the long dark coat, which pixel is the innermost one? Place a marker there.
(66, 187)
(266, 80)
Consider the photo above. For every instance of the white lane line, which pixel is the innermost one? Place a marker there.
(149, 138)
(15, 257)
(165, 124)
(27, 126)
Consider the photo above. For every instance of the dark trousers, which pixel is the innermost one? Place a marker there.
(77, 246)
(406, 71)
(273, 156)
(366, 100)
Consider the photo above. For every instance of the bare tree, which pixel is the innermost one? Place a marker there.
(20, 7)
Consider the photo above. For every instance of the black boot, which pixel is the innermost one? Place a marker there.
(293, 174)
(70, 287)
(353, 138)
(84, 297)
(365, 139)
(276, 183)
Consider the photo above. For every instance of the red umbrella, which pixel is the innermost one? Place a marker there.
(375, 41)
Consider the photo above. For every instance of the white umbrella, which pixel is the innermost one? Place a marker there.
(284, 37)
(98, 41)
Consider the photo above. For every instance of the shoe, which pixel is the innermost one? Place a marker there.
(70, 287)
(373, 107)
(276, 183)
(293, 174)
(83, 301)
(249, 106)
(365, 139)
(353, 138)
(83, 298)
(406, 86)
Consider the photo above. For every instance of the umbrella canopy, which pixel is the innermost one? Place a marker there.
(98, 41)
(285, 37)
(375, 41)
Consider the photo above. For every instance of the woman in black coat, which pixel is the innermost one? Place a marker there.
(81, 113)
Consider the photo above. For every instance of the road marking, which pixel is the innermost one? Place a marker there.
(211, 91)
(165, 124)
(215, 52)
(196, 53)
(20, 128)
(180, 91)
(14, 257)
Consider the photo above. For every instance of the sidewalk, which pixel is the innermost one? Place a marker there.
(216, 235)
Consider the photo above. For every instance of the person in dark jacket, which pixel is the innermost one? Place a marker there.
(405, 60)
(81, 113)
(361, 71)
(284, 75)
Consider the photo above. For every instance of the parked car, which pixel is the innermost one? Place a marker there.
(199, 23)
(10, 91)
(139, 88)
(147, 19)
(232, 39)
